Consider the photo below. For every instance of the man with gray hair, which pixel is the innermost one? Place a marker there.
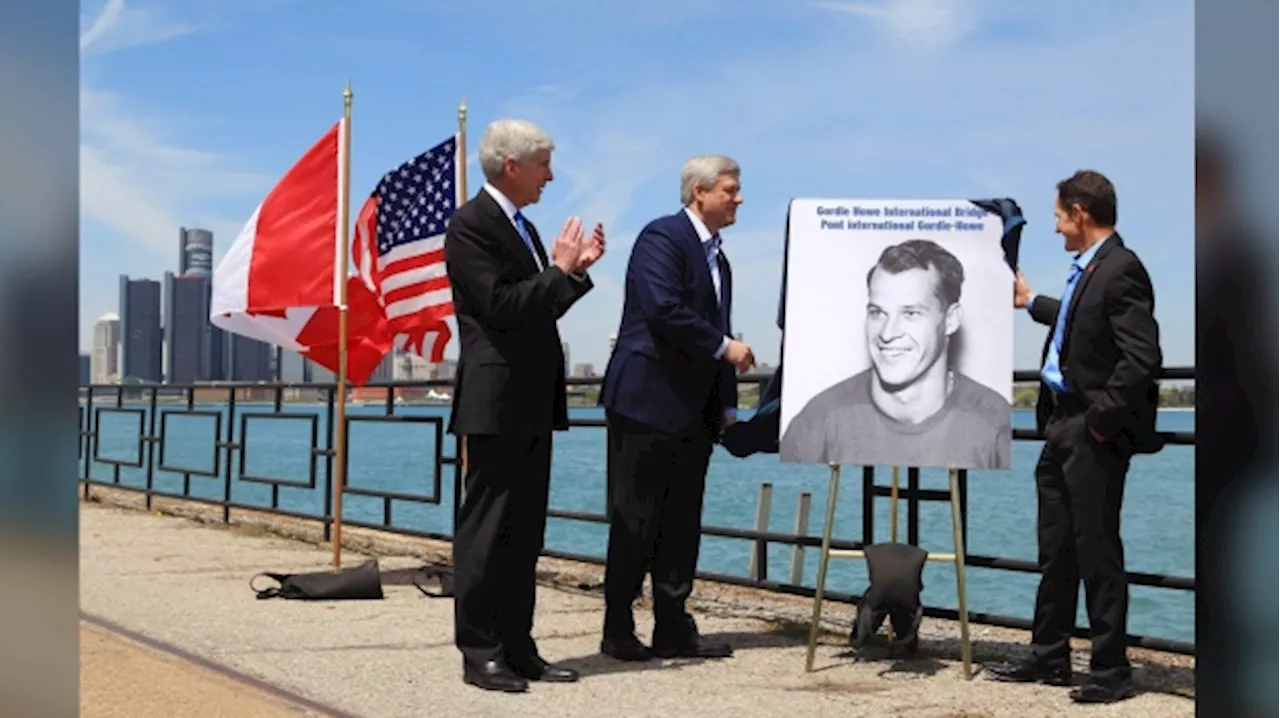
(509, 395)
(669, 390)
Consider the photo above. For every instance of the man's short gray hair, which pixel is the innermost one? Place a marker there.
(517, 139)
(704, 171)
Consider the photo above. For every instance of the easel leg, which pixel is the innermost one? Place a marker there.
(893, 528)
(823, 558)
(957, 530)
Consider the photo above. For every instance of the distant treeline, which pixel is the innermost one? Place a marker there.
(1024, 396)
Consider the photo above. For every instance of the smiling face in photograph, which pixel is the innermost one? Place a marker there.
(907, 324)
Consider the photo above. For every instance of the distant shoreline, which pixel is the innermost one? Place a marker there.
(1180, 399)
(176, 401)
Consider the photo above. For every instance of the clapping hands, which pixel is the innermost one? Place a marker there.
(592, 249)
(573, 254)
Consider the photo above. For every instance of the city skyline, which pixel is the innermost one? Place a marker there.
(162, 333)
(168, 141)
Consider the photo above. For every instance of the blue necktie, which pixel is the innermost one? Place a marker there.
(1060, 326)
(712, 247)
(528, 241)
(1052, 370)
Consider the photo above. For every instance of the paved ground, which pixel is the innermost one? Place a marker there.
(120, 678)
(185, 583)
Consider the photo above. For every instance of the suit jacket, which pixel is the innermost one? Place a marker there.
(510, 375)
(663, 372)
(1110, 349)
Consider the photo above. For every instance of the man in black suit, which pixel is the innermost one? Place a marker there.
(1097, 408)
(509, 395)
(669, 390)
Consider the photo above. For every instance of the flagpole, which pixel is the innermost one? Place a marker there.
(462, 152)
(462, 197)
(344, 253)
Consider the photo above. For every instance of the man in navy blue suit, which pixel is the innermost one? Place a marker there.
(669, 390)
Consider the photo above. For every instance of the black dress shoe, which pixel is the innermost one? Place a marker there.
(627, 648)
(493, 676)
(536, 669)
(1031, 671)
(1102, 692)
(693, 646)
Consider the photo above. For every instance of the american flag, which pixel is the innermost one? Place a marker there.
(399, 248)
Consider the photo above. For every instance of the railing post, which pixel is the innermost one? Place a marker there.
(758, 567)
(330, 396)
(91, 435)
(802, 529)
(231, 440)
(151, 446)
(868, 505)
(913, 505)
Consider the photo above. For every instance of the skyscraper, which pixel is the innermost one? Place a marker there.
(188, 356)
(386, 369)
(320, 375)
(141, 337)
(217, 352)
(410, 366)
(247, 359)
(291, 367)
(104, 357)
(195, 253)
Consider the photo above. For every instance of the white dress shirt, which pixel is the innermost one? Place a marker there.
(509, 208)
(704, 236)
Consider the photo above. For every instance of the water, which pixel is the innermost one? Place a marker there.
(1158, 521)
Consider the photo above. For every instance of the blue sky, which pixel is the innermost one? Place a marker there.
(190, 111)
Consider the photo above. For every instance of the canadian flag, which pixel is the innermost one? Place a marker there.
(281, 280)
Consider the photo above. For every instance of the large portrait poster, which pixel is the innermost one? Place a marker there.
(898, 347)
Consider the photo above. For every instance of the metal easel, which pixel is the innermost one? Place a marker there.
(956, 558)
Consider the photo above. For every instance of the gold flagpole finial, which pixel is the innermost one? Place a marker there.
(346, 93)
(462, 112)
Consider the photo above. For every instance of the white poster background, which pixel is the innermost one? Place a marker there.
(826, 291)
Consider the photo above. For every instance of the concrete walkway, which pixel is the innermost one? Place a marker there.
(185, 583)
(122, 678)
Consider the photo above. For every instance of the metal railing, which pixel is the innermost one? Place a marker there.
(229, 451)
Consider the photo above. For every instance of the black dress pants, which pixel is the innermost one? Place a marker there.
(1079, 490)
(656, 484)
(495, 550)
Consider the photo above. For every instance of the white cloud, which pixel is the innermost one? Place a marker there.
(107, 18)
(135, 178)
(878, 96)
(118, 26)
(919, 23)
(993, 115)
(138, 184)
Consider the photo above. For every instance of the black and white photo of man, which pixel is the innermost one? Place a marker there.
(911, 407)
